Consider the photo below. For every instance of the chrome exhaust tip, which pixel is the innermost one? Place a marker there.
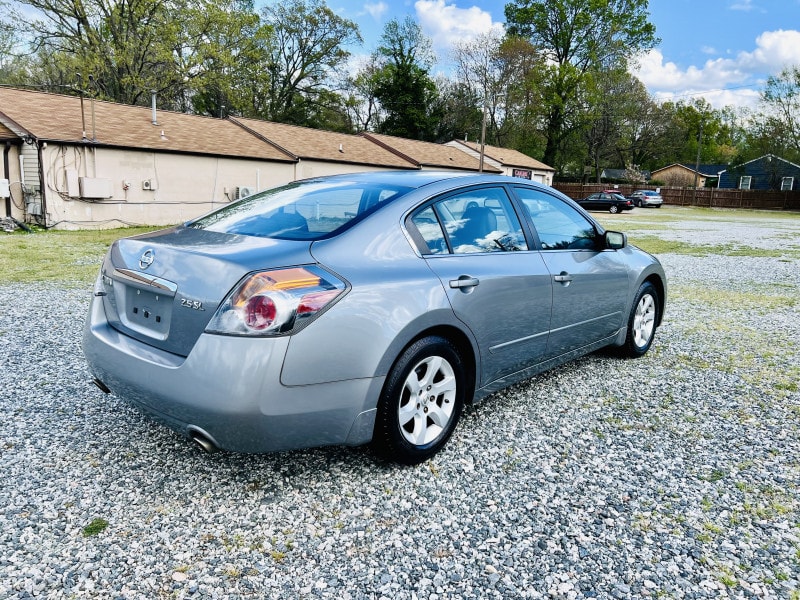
(102, 386)
(203, 441)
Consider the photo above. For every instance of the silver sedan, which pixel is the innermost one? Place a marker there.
(362, 308)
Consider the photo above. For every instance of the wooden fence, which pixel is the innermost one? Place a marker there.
(706, 197)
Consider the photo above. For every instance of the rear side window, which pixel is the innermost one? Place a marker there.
(475, 220)
(306, 210)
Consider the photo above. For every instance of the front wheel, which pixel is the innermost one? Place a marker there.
(421, 402)
(642, 322)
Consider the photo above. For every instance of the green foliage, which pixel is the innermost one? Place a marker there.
(97, 525)
(578, 38)
(776, 128)
(304, 52)
(402, 84)
(66, 257)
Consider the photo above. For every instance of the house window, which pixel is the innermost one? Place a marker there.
(744, 182)
(787, 184)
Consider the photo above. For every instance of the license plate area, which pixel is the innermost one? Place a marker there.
(143, 303)
(148, 312)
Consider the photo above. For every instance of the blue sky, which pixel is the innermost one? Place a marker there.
(722, 50)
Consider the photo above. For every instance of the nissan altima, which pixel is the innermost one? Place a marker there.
(365, 308)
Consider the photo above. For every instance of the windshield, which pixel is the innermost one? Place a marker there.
(306, 210)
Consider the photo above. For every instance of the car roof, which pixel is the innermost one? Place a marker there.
(411, 179)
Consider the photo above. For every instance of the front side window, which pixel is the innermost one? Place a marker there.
(787, 184)
(476, 220)
(744, 182)
(559, 225)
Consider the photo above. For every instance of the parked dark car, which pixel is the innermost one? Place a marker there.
(610, 201)
(645, 198)
(362, 308)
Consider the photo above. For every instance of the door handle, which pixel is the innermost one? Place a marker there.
(465, 281)
(563, 277)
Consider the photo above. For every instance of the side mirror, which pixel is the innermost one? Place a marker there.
(615, 240)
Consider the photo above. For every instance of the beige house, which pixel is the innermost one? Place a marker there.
(678, 175)
(74, 163)
(427, 155)
(510, 162)
(317, 152)
(82, 163)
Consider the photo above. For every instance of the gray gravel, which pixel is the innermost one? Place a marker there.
(671, 476)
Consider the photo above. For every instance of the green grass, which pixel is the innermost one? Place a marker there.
(96, 526)
(657, 245)
(643, 221)
(66, 257)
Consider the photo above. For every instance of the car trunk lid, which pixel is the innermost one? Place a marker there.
(163, 288)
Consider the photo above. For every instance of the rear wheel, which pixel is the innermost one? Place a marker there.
(613, 209)
(421, 402)
(642, 322)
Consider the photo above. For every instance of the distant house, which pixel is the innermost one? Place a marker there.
(683, 175)
(768, 172)
(511, 162)
(623, 175)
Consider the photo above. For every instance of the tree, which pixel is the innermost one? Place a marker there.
(461, 111)
(775, 129)
(577, 37)
(362, 106)
(480, 73)
(624, 126)
(126, 49)
(306, 51)
(402, 84)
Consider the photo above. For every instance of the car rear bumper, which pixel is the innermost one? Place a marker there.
(228, 389)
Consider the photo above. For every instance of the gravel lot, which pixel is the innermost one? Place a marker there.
(676, 475)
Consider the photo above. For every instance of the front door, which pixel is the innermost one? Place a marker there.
(589, 282)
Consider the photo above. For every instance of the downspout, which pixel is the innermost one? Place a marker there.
(7, 175)
(39, 148)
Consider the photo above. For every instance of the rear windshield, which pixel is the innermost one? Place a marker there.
(306, 210)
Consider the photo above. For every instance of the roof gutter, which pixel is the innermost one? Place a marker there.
(7, 175)
(39, 147)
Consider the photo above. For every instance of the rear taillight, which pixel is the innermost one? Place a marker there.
(276, 302)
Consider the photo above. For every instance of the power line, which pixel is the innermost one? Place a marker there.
(689, 94)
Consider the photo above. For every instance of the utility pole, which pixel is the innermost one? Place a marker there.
(697, 162)
(483, 127)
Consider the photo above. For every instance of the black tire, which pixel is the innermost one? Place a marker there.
(613, 209)
(641, 327)
(429, 415)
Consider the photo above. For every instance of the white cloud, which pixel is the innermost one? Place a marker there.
(743, 5)
(723, 80)
(376, 10)
(447, 24)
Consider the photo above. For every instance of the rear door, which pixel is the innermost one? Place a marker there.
(499, 288)
(589, 283)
